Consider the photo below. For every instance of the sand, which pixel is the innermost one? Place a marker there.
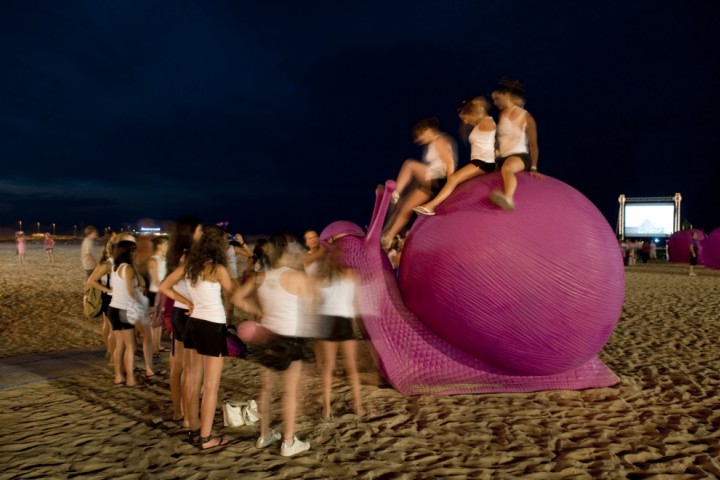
(661, 421)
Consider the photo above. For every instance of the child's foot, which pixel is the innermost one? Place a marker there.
(502, 201)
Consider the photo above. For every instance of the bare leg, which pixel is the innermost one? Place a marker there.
(108, 338)
(156, 336)
(264, 401)
(411, 200)
(464, 174)
(410, 169)
(212, 368)
(349, 353)
(511, 166)
(176, 372)
(128, 339)
(291, 381)
(193, 380)
(146, 331)
(118, 356)
(329, 354)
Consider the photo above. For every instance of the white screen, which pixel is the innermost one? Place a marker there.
(649, 219)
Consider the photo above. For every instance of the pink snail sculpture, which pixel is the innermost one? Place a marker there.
(678, 246)
(710, 250)
(490, 301)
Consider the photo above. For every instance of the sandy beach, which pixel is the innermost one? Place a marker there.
(661, 421)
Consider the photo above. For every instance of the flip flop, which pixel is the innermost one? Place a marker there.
(164, 349)
(502, 201)
(158, 373)
(223, 442)
(421, 210)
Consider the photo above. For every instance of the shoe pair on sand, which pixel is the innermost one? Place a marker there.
(286, 449)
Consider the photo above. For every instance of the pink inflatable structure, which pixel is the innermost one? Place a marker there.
(489, 301)
(710, 250)
(678, 246)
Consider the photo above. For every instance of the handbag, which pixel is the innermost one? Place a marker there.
(237, 414)
(235, 347)
(138, 311)
(92, 302)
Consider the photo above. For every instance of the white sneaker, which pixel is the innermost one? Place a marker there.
(297, 446)
(272, 437)
(693, 274)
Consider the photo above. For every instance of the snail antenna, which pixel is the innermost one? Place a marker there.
(382, 203)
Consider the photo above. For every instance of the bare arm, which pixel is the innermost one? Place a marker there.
(244, 250)
(166, 287)
(241, 297)
(94, 279)
(531, 131)
(444, 149)
(153, 271)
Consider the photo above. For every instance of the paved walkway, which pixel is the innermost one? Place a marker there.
(25, 369)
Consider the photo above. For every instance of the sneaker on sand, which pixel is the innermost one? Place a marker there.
(297, 446)
(272, 437)
(502, 201)
(693, 274)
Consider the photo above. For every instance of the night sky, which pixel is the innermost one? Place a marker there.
(285, 115)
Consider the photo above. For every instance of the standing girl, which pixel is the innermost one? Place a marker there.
(157, 269)
(21, 244)
(49, 246)
(206, 277)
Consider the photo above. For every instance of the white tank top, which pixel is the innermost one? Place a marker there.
(436, 166)
(162, 272)
(511, 136)
(120, 297)
(282, 312)
(181, 288)
(338, 298)
(482, 145)
(207, 300)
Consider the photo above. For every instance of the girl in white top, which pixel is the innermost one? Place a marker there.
(482, 151)
(100, 279)
(125, 282)
(440, 162)
(337, 311)
(157, 268)
(206, 277)
(185, 232)
(284, 294)
(516, 141)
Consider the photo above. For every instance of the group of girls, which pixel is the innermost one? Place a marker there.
(283, 298)
(118, 278)
(509, 147)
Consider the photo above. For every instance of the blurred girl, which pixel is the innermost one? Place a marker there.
(49, 246)
(282, 292)
(21, 244)
(337, 312)
(157, 270)
(185, 231)
(206, 277)
(430, 175)
(100, 279)
(482, 151)
(516, 140)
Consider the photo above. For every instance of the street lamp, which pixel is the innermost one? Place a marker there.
(53, 225)
(38, 228)
(20, 225)
(75, 231)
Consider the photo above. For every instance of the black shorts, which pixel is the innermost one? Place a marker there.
(279, 353)
(208, 338)
(178, 320)
(151, 296)
(114, 315)
(693, 260)
(339, 328)
(525, 157)
(486, 167)
(106, 299)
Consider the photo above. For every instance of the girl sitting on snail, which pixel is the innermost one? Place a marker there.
(439, 161)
